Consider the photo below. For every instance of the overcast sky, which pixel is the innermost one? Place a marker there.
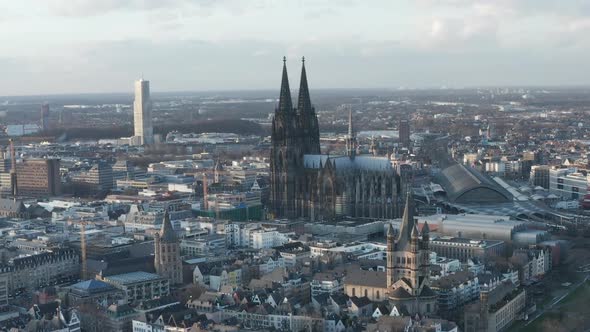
(70, 46)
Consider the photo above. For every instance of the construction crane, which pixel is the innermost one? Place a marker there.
(205, 193)
(84, 272)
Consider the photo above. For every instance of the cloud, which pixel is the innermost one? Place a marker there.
(75, 8)
(248, 64)
(215, 44)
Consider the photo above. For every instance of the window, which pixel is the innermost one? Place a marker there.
(378, 295)
(353, 291)
(560, 186)
(366, 293)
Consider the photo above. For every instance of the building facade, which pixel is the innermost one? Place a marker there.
(464, 248)
(496, 310)
(99, 177)
(139, 286)
(44, 117)
(540, 176)
(44, 269)
(568, 183)
(38, 177)
(404, 133)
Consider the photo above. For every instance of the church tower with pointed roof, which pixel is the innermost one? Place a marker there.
(351, 144)
(308, 121)
(167, 253)
(408, 264)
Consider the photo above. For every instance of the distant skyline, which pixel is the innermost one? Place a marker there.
(97, 46)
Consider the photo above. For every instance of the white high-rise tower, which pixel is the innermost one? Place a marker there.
(142, 113)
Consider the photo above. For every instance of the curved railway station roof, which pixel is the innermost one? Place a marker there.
(466, 185)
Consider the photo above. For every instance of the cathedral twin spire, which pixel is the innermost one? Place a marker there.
(285, 103)
(304, 100)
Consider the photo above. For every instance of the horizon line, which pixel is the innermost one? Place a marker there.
(392, 89)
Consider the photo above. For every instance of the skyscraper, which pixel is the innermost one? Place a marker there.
(404, 132)
(44, 117)
(142, 113)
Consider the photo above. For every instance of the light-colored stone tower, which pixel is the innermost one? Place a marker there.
(408, 265)
(167, 253)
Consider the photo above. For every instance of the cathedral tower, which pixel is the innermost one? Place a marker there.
(285, 154)
(295, 132)
(308, 121)
(167, 253)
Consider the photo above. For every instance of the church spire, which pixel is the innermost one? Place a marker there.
(304, 103)
(350, 129)
(351, 139)
(285, 103)
(408, 223)
(167, 233)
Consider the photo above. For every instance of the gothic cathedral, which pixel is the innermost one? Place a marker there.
(307, 184)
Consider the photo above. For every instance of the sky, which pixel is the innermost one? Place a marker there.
(87, 46)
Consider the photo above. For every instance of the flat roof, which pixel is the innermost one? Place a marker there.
(133, 277)
(462, 240)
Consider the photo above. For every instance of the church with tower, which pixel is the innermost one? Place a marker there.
(405, 283)
(308, 184)
(408, 265)
(167, 253)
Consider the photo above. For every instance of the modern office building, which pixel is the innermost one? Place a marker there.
(464, 248)
(38, 177)
(540, 176)
(404, 132)
(142, 113)
(124, 170)
(99, 177)
(568, 183)
(139, 286)
(44, 117)
(4, 290)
